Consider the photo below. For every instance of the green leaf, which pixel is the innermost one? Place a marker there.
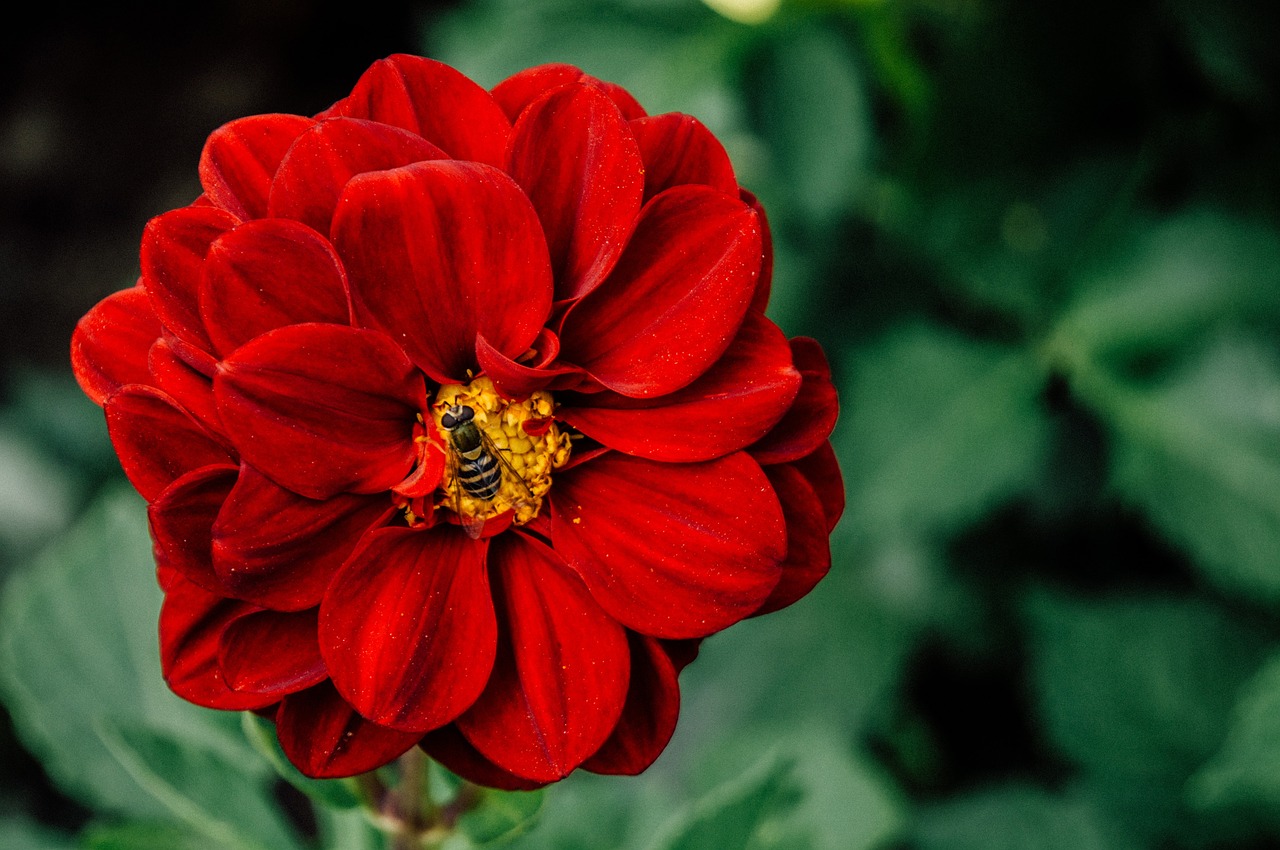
(810, 107)
(501, 816)
(142, 836)
(1138, 689)
(1170, 283)
(936, 429)
(735, 816)
(1198, 454)
(200, 788)
(1015, 817)
(21, 834)
(1245, 773)
(78, 649)
(349, 829)
(261, 733)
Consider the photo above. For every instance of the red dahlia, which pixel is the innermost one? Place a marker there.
(460, 422)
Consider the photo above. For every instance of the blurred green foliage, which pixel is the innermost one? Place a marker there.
(1040, 244)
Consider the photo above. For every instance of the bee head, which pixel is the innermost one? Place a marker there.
(455, 416)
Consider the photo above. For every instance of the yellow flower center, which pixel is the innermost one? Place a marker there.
(522, 461)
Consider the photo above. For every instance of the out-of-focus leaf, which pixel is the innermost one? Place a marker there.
(142, 836)
(670, 55)
(1138, 689)
(21, 834)
(1172, 282)
(78, 647)
(35, 493)
(330, 792)
(734, 816)
(500, 816)
(1232, 43)
(51, 411)
(1015, 817)
(200, 788)
(936, 429)
(1198, 454)
(1245, 773)
(809, 106)
(348, 829)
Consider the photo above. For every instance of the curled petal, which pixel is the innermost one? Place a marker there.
(325, 158)
(683, 285)
(181, 520)
(278, 549)
(439, 252)
(808, 544)
(272, 653)
(447, 746)
(673, 551)
(433, 100)
(157, 441)
(322, 409)
(326, 739)
(190, 388)
(812, 415)
(241, 157)
(764, 284)
(408, 629)
(733, 404)
(191, 625)
(560, 678)
(649, 716)
(266, 274)
(517, 379)
(519, 90)
(678, 149)
(174, 246)
(822, 471)
(110, 343)
(575, 157)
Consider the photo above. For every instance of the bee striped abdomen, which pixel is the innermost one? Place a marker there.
(480, 476)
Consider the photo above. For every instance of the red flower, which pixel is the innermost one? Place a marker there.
(361, 538)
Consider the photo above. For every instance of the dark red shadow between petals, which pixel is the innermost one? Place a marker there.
(156, 440)
(649, 717)
(174, 246)
(678, 149)
(272, 653)
(813, 414)
(326, 739)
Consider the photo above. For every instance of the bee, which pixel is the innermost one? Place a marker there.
(476, 465)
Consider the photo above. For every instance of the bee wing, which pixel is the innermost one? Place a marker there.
(516, 477)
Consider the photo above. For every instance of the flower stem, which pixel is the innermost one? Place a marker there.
(414, 807)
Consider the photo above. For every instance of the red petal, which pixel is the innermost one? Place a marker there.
(326, 157)
(270, 653)
(518, 91)
(267, 274)
(808, 546)
(192, 390)
(671, 550)
(576, 158)
(649, 718)
(191, 625)
(447, 746)
(408, 628)
(676, 298)
(519, 380)
(157, 440)
(322, 409)
(174, 246)
(439, 252)
(729, 407)
(241, 157)
(110, 343)
(280, 550)
(677, 149)
(436, 102)
(182, 521)
(560, 678)
(764, 285)
(822, 471)
(813, 414)
(326, 739)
